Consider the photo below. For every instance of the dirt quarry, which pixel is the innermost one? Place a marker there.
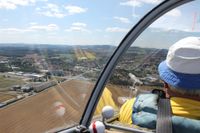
(50, 110)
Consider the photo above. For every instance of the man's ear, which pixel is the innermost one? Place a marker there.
(166, 85)
(167, 90)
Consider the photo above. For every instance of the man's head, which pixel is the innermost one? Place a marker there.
(181, 69)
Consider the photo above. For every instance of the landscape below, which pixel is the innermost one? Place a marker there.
(40, 82)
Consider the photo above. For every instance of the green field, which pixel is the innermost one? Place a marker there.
(6, 82)
(66, 56)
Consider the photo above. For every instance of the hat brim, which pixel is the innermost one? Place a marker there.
(179, 80)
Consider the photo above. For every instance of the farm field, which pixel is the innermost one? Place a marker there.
(38, 113)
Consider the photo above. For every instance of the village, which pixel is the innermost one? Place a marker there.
(28, 73)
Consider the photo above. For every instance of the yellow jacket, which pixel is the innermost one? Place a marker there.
(180, 107)
(106, 99)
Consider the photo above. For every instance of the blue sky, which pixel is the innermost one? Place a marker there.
(84, 22)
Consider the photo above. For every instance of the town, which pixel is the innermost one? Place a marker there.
(26, 70)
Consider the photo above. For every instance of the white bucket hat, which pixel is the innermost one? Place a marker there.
(181, 68)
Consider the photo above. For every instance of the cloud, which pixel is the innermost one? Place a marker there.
(14, 30)
(122, 19)
(6, 5)
(75, 9)
(78, 26)
(32, 28)
(132, 3)
(116, 29)
(13, 4)
(51, 10)
(171, 28)
(79, 29)
(139, 3)
(50, 27)
(33, 23)
(174, 13)
(154, 2)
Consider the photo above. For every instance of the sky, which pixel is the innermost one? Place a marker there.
(86, 22)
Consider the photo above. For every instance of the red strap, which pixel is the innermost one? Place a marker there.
(94, 127)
